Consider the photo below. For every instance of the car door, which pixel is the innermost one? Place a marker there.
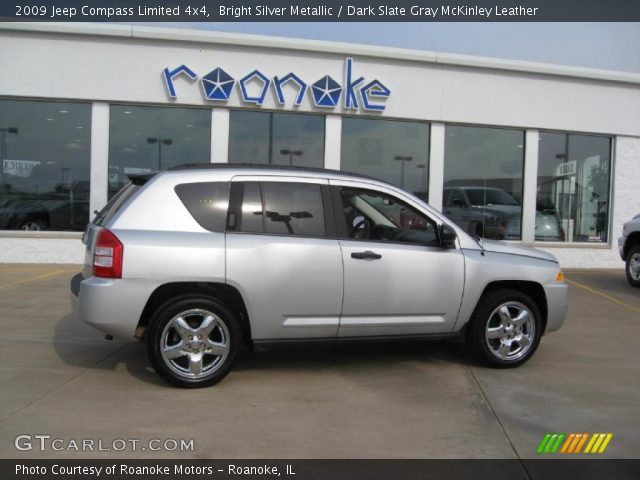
(283, 255)
(398, 280)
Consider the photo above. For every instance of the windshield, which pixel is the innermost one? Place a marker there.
(490, 196)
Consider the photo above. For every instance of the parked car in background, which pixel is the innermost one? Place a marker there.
(629, 247)
(493, 213)
(199, 260)
(45, 200)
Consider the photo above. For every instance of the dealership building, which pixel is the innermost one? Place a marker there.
(538, 154)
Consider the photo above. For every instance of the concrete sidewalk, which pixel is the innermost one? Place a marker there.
(404, 400)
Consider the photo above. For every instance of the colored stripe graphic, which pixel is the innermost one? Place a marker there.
(550, 443)
(573, 443)
(598, 443)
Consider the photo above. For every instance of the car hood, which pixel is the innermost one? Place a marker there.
(511, 249)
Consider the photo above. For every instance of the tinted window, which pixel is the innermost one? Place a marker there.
(394, 151)
(276, 138)
(293, 209)
(251, 219)
(44, 165)
(207, 202)
(573, 188)
(284, 209)
(378, 217)
(488, 165)
(146, 139)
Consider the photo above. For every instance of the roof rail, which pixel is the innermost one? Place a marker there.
(262, 166)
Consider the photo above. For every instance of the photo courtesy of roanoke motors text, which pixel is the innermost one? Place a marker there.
(382, 239)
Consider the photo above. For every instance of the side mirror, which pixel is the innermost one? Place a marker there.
(447, 236)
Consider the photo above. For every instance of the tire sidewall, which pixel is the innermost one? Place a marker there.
(166, 313)
(632, 250)
(476, 333)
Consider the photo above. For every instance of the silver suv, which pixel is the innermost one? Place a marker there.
(203, 259)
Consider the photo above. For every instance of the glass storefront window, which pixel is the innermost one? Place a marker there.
(146, 139)
(573, 185)
(394, 151)
(276, 138)
(45, 156)
(483, 172)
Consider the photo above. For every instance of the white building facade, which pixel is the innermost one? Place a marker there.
(543, 155)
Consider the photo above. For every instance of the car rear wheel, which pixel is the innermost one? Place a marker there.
(505, 329)
(632, 266)
(193, 341)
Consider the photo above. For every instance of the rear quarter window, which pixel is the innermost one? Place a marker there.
(207, 202)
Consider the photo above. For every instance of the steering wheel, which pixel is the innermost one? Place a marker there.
(355, 231)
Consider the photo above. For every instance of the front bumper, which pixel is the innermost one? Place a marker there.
(113, 306)
(557, 304)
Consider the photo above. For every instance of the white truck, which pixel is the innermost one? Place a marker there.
(629, 246)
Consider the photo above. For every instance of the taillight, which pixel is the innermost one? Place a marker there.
(107, 255)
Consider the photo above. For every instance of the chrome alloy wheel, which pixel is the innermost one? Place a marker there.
(510, 331)
(195, 343)
(634, 267)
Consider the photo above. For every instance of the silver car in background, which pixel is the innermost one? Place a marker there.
(629, 248)
(201, 260)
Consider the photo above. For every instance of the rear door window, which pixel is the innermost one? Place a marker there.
(283, 208)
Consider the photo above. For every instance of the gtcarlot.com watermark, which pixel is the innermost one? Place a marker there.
(45, 442)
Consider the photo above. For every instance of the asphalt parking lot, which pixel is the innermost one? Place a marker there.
(407, 400)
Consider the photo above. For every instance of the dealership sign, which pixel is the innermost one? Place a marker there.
(325, 92)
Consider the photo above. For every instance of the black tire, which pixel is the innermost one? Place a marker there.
(634, 250)
(33, 224)
(485, 350)
(163, 332)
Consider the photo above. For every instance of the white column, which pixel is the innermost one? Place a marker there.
(530, 186)
(332, 140)
(99, 172)
(220, 135)
(436, 165)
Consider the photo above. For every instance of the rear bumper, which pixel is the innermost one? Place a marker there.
(113, 306)
(557, 304)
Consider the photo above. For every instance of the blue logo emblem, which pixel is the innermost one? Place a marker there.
(326, 92)
(217, 85)
(291, 77)
(169, 75)
(259, 100)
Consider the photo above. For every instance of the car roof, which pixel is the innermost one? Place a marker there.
(258, 169)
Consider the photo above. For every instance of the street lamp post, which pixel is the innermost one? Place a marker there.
(423, 179)
(291, 153)
(3, 154)
(160, 142)
(402, 161)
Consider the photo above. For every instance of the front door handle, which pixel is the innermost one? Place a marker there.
(368, 255)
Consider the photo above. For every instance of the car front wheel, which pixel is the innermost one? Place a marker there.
(632, 266)
(505, 329)
(193, 342)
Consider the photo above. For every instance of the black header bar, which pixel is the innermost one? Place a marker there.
(119, 469)
(321, 10)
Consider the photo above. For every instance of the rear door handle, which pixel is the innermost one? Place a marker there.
(368, 255)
